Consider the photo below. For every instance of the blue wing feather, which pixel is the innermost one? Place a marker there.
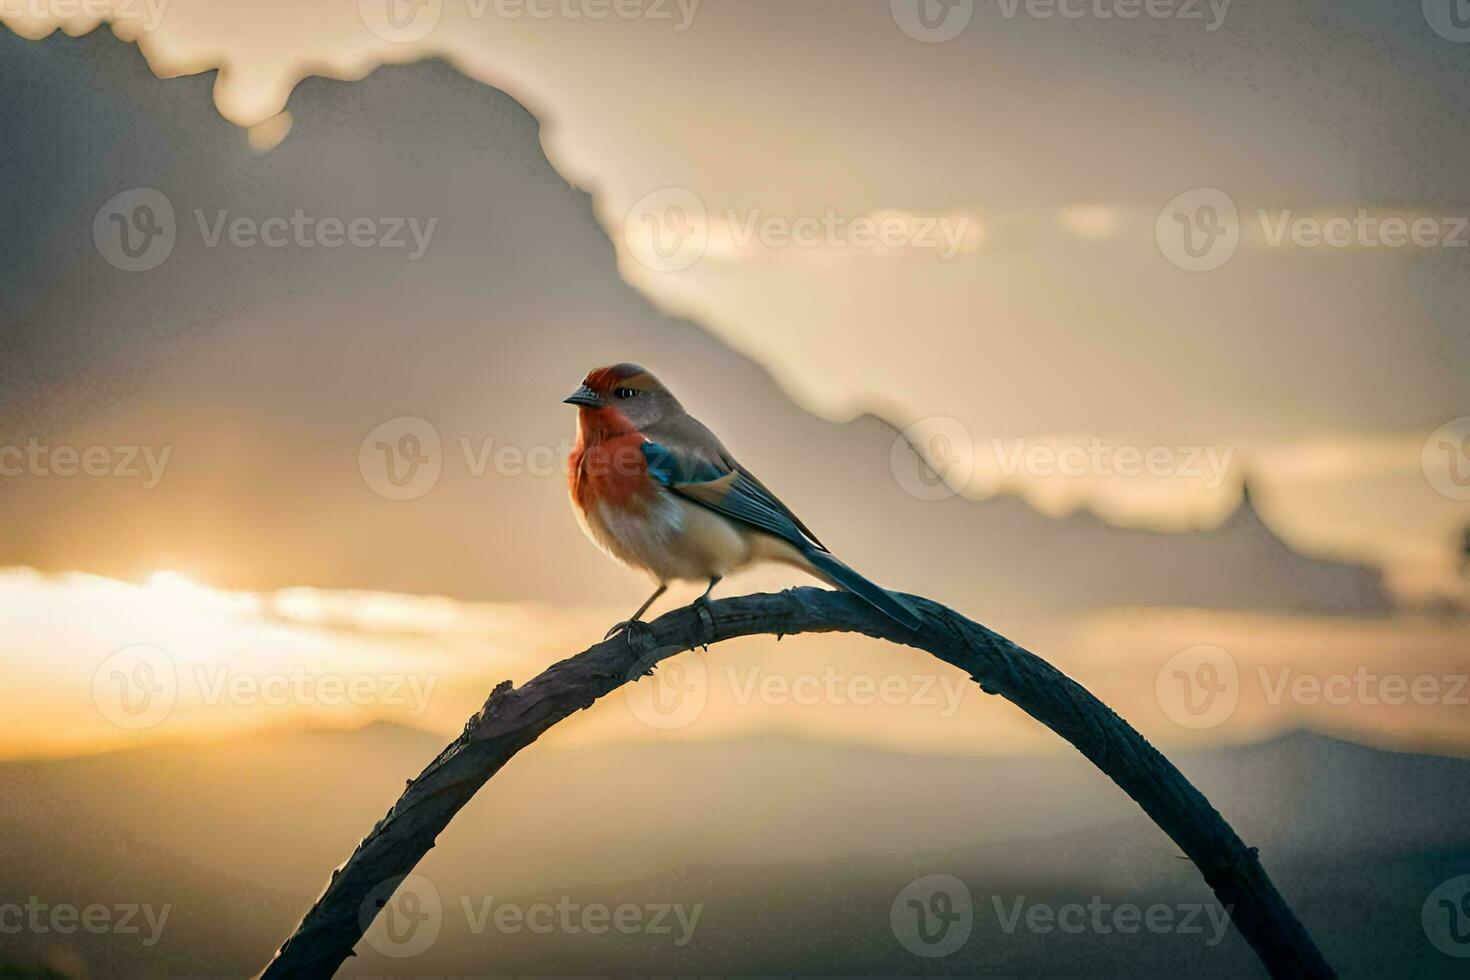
(726, 490)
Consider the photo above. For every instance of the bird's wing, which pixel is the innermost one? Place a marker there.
(714, 480)
(686, 458)
(776, 502)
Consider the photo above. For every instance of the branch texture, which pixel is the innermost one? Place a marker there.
(513, 718)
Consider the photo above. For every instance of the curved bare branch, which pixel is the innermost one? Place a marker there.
(513, 718)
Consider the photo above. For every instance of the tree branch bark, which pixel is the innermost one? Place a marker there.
(513, 718)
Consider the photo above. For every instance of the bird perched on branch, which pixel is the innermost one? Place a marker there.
(656, 490)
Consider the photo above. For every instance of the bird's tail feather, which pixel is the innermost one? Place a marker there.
(830, 569)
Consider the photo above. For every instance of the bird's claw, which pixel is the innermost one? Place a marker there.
(635, 630)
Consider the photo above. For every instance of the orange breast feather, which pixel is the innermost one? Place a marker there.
(608, 467)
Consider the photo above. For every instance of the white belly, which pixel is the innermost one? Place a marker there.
(673, 539)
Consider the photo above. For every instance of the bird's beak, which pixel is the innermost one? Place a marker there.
(586, 397)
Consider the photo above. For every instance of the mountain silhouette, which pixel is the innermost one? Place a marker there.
(778, 836)
(264, 369)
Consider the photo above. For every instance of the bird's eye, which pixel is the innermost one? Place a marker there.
(625, 392)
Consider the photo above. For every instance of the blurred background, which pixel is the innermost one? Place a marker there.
(1139, 332)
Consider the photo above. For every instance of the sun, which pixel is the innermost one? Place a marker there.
(166, 579)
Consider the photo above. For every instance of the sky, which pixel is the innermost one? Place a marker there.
(991, 241)
(1023, 173)
(185, 662)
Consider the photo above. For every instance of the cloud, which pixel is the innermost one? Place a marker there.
(1067, 333)
(83, 656)
(90, 663)
(1091, 222)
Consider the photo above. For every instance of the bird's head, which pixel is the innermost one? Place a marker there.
(625, 390)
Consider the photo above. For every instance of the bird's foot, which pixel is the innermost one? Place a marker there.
(701, 606)
(636, 631)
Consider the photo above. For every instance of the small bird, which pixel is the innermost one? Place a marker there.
(657, 490)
